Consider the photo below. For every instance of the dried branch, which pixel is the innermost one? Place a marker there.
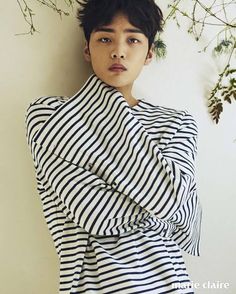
(224, 45)
(28, 16)
(28, 12)
(221, 91)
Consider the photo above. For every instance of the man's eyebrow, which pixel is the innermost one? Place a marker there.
(108, 30)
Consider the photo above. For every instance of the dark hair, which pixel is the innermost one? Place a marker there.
(143, 14)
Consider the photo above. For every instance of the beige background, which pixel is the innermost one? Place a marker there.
(51, 63)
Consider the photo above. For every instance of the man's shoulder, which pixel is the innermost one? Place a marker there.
(44, 105)
(165, 110)
(182, 116)
(48, 101)
(39, 110)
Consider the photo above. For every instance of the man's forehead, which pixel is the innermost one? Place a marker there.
(112, 30)
(111, 27)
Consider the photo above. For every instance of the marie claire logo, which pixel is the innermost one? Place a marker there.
(204, 285)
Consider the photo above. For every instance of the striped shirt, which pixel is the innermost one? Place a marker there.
(117, 185)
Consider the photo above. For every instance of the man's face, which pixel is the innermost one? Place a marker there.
(118, 43)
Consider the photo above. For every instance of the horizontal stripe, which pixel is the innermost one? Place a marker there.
(118, 190)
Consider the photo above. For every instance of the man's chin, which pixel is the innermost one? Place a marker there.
(115, 81)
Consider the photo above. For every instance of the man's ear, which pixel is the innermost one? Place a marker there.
(87, 52)
(149, 55)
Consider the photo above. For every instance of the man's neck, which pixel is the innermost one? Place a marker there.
(126, 92)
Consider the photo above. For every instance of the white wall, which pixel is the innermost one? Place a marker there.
(182, 81)
(51, 63)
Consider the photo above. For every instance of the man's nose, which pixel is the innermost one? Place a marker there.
(117, 55)
(118, 52)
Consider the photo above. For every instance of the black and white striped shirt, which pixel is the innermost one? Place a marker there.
(118, 190)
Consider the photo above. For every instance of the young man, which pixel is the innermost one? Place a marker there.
(119, 40)
(116, 173)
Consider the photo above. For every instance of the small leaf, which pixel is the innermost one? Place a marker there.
(230, 71)
(224, 92)
(210, 105)
(216, 109)
(232, 81)
(227, 98)
(160, 48)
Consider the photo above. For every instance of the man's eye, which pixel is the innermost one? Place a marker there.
(133, 40)
(104, 40)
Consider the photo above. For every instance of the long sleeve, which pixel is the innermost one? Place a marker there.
(97, 131)
(83, 196)
(165, 176)
(107, 171)
(158, 180)
(158, 191)
(118, 190)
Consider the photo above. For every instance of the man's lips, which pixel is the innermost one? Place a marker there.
(117, 67)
